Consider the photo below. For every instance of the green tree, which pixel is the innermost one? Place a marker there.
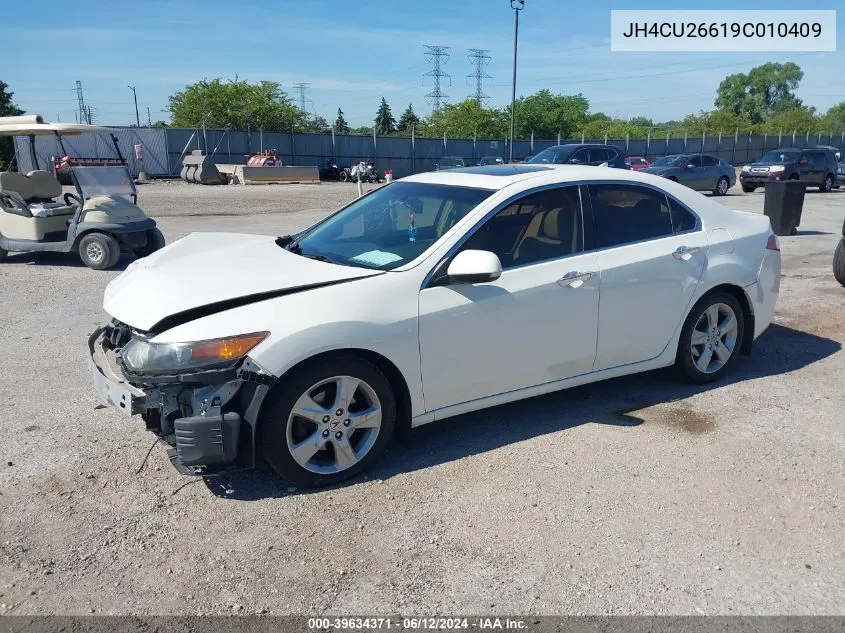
(466, 119)
(364, 130)
(714, 122)
(594, 127)
(340, 126)
(7, 108)
(408, 120)
(762, 92)
(159, 124)
(385, 123)
(318, 124)
(799, 119)
(546, 114)
(236, 105)
(834, 118)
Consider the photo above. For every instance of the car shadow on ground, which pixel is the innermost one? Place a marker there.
(779, 350)
(64, 260)
(813, 232)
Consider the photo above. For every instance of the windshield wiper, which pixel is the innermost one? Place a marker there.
(319, 258)
(288, 243)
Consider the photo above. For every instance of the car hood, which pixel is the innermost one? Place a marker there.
(208, 272)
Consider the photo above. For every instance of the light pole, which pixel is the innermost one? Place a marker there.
(517, 6)
(135, 95)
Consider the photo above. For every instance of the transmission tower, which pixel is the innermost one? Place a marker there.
(303, 90)
(437, 55)
(479, 58)
(84, 115)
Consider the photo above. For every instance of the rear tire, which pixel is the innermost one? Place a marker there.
(711, 338)
(827, 184)
(722, 186)
(339, 450)
(749, 188)
(839, 262)
(155, 241)
(344, 176)
(99, 251)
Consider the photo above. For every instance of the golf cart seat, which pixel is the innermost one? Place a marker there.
(38, 191)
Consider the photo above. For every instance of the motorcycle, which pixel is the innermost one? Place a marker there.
(332, 172)
(365, 170)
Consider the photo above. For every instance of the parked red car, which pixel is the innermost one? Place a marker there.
(637, 162)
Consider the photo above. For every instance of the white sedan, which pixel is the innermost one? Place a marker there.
(439, 294)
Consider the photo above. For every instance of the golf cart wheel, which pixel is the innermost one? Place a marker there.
(327, 421)
(711, 338)
(99, 251)
(344, 176)
(749, 188)
(155, 241)
(827, 184)
(722, 187)
(839, 262)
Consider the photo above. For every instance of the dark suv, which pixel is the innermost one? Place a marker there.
(581, 154)
(814, 166)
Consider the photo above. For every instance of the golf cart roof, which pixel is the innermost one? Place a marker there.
(35, 126)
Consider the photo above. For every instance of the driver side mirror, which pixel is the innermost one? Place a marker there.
(803, 161)
(574, 161)
(474, 267)
(690, 166)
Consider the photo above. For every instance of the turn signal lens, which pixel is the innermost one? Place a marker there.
(226, 348)
(772, 244)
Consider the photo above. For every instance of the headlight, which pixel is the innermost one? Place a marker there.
(746, 168)
(140, 356)
(776, 168)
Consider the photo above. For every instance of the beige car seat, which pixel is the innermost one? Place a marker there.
(45, 186)
(549, 234)
(20, 184)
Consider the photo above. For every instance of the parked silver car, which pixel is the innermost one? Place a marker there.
(701, 172)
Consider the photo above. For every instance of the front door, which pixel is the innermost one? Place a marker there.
(535, 324)
(652, 253)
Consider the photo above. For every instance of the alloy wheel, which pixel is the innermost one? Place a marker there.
(722, 187)
(95, 252)
(334, 424)
(714, 338)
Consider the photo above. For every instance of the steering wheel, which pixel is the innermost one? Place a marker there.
(72, 199)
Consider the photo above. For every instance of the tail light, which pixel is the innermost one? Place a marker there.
(772, 244)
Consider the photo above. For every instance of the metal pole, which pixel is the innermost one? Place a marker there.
(558, 137)
(516, 5)
(32, 151)
(135, 96)
(413, 152)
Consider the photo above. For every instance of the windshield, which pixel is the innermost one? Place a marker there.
(673, 160)
(455, 161)
(779, 156)
(104, 181)
(391, 226)
(554, 155)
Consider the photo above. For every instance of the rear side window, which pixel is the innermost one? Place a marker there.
(682, 220)
(628, 213)
(600, 155)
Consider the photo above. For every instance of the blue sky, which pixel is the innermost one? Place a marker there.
(353, 53)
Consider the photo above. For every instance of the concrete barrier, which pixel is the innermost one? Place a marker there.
(289, 174)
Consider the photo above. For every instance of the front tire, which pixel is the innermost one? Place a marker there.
(711, 338)
(722, 187)
(749, 188)
(155, 241)
(99, 251)
(327, 422)
(344, 176)
(839, 262)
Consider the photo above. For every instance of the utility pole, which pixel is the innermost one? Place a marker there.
(437, 55)
(479, 58)
(135, 95)
(303, 88)
(149, 118)
(517, 6)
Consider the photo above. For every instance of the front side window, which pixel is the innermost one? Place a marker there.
(628, 213)
(695, 161)
(390, 227)
(710, 161)
(580, 157)
(537, 227)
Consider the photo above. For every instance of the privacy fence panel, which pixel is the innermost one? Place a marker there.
(164, 148)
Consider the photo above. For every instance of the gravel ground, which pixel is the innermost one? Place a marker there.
(637, 495)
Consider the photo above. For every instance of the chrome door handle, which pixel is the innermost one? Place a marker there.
(685, 252)
(573, 279)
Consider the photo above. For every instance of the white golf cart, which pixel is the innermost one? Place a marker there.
(99, 222)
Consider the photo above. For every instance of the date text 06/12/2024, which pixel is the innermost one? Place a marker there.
(715, 31)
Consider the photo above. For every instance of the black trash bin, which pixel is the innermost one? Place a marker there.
(783, 204)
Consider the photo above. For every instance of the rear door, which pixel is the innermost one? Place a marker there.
(712, 172)
(651, 252)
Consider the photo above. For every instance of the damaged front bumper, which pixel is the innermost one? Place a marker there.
(207, 418)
